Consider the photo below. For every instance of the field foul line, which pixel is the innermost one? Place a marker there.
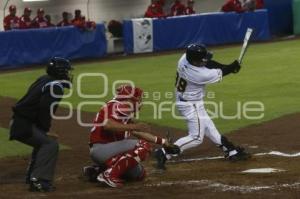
(208, 184)
(272, 153)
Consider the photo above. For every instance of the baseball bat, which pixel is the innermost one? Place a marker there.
(245, 44)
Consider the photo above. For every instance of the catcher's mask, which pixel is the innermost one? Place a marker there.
(129, 93)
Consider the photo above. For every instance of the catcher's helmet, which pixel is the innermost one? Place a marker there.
(197, 53)
(59, 68)
(128, 92)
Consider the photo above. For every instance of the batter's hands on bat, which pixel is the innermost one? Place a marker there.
(236, 66)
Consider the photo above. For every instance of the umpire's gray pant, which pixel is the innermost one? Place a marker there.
(44, 154)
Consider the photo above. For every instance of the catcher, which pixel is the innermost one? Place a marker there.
(117, 156)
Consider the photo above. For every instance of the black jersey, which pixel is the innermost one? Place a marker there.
(36, 105)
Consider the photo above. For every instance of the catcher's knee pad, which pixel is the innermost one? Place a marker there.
(111, 161)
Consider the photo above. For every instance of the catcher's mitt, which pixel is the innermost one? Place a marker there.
(172, 149)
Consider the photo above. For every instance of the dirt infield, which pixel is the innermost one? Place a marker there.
(200, 173)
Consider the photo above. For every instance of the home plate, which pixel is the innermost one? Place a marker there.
(263, 170)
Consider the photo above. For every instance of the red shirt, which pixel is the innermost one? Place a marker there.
(39, 22)
(109, 111)
(154, 11)
(232, 6)
(259, 4)
(11, 22)
(177, 9)
(78, 22)
(64, 23)
(25, 22)
(189, 11)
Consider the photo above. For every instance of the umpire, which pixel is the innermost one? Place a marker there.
(32, 120)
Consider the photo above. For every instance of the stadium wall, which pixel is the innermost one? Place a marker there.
(36, 46)
(296, 16)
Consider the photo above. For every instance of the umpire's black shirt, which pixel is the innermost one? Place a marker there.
(35, 107)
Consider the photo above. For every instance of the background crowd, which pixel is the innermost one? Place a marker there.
(156, 9)
(12, 21)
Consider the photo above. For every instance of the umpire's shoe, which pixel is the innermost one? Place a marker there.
(38, 185)
(91, 173)
(160, 159)
(240, 155)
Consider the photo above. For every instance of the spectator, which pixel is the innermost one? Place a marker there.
(154, 11)
(90, 25)
(25, 20)
(249, 5)
(65, 20)
(177, 8)
(40, 21)
(190, 7)
(79, 20)
(11, 21)
(49, 24)
(232, 6)
(260, 4)
(115, 28)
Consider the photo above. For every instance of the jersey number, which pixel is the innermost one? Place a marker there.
(180, 83)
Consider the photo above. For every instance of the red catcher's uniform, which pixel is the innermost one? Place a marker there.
(232, 6)
(25, 22)
(112, 110)
(11, 22)
(39, 22)
(177, 9)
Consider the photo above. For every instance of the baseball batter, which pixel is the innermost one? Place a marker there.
(195, 70)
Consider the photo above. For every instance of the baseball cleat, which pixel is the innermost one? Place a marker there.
(240, 155)
(160, 159)
(41, 185)
(91, 173)
(112, 182)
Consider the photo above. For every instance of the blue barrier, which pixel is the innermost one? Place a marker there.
(35, 46)
(210, 29)
(280, 16)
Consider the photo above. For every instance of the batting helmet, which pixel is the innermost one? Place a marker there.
(59, 68)
(197, 53)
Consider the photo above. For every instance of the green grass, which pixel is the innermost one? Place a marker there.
(15, 148)
(11, 148)
(270, 74)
